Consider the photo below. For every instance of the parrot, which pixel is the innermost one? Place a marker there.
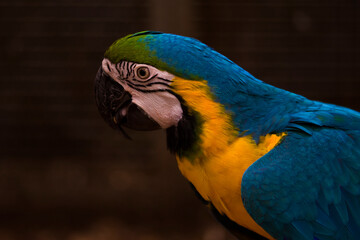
(268, 163)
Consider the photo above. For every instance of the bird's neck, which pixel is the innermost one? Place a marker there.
(256, 108)
(205, 129)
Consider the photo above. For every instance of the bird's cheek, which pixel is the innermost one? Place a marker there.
(164, 108)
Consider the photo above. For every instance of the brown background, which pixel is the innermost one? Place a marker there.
(64, 174)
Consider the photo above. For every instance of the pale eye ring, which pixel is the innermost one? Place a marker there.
(143, 72)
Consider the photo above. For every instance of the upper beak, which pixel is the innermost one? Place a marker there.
(116, 107)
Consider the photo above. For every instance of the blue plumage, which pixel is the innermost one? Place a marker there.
(316, 182)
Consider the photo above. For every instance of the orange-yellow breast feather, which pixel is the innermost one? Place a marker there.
(217, 173)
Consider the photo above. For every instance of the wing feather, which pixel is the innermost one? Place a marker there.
(308, 186)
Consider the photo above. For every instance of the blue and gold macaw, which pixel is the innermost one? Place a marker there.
(262, 158)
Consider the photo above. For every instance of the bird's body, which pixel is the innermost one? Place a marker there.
(261, 157)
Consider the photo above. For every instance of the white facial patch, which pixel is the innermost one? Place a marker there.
(148, 87)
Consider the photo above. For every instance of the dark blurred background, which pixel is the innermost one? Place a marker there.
(64, 174)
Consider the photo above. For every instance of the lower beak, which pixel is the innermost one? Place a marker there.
(116, 107)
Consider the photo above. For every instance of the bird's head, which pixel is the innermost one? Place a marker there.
(135, 95)
(133, 86)
(152, 80)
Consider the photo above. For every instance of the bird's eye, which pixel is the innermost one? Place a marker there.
(143, 72)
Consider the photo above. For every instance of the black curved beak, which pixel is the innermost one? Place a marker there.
(116, 107)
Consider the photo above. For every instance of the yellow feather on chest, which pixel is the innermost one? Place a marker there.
(218, 180)
(217, 172)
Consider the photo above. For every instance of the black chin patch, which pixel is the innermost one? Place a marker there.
(183, 139)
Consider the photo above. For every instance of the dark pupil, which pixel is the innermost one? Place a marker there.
(142, 72)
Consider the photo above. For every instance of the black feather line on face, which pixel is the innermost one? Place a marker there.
(164, 79)
(118, 71)
(132, 85)
(159, 83)
(108, 66)
(147, 85)
(132, 66)
(122, 76)
(128, 70)
(145, 80)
